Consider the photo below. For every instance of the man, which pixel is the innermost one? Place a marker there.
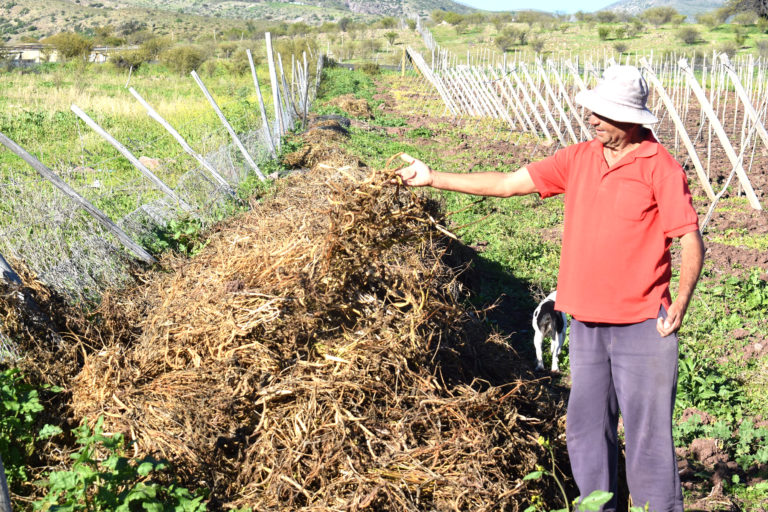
(626, 198)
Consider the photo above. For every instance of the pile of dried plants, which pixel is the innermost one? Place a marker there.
(318, 355)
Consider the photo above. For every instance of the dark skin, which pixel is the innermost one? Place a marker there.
(618, 139)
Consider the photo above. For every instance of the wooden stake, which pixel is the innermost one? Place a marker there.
(718, 127)
(176, 135)
(228, 126)
(680, 128)
(97, 214)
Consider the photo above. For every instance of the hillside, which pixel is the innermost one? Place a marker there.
(306, 10)
(687, 7)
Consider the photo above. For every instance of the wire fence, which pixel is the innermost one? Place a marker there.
(44, 224)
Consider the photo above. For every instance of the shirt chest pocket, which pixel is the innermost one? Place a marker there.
(633, 200)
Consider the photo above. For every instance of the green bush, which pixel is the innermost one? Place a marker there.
(127, 59)
(70, 45)
(762, 48)
(184, 58)
(370, 68)
(19, 407)
(620, 47)
(689, 35)
(603, 33)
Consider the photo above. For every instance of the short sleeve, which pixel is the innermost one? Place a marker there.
(550, 175)
(678, 216)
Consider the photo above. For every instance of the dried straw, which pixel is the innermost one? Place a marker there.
(316, 356)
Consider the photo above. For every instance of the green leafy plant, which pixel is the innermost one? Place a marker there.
(594, 501)
(19, 407)
(112, 482)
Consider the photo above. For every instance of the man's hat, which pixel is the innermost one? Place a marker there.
(620, 96)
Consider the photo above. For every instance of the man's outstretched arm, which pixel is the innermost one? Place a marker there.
(497, 184)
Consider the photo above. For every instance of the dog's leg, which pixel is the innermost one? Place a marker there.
(537, 341)
(557, 344)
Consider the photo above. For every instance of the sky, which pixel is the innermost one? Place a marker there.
(567, 6)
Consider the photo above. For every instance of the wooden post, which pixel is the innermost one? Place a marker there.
(531, 106)
(8, 274)
(508, 91)
(718, 128)
(680, 128)
(176, 135)
(229, 128)
(567, 98)
(262, 109)
(48, 174)
(135, 161)
(555, 101)
(275, 89)
(749, 109)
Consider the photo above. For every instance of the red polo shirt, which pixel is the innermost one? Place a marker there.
(619, 223)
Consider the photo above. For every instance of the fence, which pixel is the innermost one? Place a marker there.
(53, 220)
(711, 110)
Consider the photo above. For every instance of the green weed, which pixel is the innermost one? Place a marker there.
(19, 407)
(103, 479)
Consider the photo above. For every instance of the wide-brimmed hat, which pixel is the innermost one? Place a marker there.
(620, 96)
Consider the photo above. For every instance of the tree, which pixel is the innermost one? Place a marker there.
(343, 24)
(659, 15)
(70, 45)
(183, 59)
(388, 22)
(606, 17)
(390, 37)
(759, 7)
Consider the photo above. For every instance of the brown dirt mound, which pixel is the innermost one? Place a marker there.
(315, 357)
(353, 106)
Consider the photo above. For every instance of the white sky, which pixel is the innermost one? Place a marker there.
(567, 6)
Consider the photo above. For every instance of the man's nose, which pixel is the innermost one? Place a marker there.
(594, 120)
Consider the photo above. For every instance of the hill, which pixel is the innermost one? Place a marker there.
(687, 7)
(305, 10)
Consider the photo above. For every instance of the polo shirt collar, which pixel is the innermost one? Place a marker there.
(648, 148)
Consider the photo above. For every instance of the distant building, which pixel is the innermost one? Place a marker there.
(36, 53)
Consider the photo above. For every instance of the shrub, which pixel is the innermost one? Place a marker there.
(762, 48)
(370, 68)
(184, 58)
(620, 32)
(154, 47)
(745, 18)
(536, 44)
(620, 47)
(504, 42)
(606, 17)
(739, 35)
(70, 45)
(603, 33)
(708, 19)
(727, 47)
(127, 59)
(659, 15)
(689, 35)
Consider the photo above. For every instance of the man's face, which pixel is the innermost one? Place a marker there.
(613, 134)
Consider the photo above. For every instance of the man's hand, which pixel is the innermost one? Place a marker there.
(417, 174)
(692, 262)
(672, 323)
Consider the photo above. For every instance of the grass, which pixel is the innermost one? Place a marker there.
(45, 126)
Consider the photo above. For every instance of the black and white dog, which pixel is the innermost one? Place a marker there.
(548, 323)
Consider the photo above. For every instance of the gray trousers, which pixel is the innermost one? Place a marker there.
(632, 369)
(5, 497)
